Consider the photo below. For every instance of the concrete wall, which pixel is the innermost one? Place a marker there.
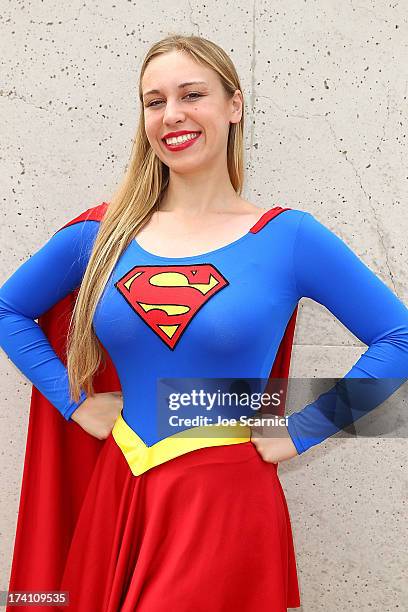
(326, 91)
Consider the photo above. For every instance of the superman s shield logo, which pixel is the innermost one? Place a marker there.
(168, 297)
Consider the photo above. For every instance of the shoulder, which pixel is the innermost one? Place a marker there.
(86, 224)
(313, 230)
(303, 222)
(297, 229)
(95, 213)
(76, 237)
(280, 217)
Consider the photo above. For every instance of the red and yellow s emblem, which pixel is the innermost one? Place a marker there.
(168, 297)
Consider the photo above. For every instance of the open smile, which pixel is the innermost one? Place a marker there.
(182, 142)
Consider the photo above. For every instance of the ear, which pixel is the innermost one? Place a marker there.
(236, 107)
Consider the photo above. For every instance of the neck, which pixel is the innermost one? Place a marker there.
(199, 193)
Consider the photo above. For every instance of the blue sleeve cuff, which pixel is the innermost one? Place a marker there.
(74, 405)
(346, 402)
(291, 427)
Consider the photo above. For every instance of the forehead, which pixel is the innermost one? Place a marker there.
(171, 69)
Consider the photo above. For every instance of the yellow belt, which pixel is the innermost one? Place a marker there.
(142, 458)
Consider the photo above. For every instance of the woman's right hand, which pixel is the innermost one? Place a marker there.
(98, 413)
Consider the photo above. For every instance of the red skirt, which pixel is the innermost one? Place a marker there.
(208, 531)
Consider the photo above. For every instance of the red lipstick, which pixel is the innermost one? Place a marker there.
(181, 145)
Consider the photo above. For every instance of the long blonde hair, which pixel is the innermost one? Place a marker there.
(132, 205)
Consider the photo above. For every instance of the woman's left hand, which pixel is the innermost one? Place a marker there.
(273, 443)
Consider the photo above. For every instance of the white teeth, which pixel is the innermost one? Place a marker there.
(180, 139)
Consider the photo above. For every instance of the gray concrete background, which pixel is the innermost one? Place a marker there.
(326, 92)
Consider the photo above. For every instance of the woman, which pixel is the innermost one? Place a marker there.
(179, 276)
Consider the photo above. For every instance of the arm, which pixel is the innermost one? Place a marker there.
(44, 279)
(328, 271)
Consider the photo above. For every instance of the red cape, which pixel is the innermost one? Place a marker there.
(60, 456)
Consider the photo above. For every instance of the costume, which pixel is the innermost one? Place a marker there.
(175, 317)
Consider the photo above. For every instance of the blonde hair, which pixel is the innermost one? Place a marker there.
(132, 205)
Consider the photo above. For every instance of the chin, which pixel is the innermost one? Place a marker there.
(187, 168)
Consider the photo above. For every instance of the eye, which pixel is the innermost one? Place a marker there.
(193, 93)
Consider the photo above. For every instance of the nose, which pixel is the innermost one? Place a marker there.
(173, 113)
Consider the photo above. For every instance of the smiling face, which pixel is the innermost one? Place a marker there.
(201, 108)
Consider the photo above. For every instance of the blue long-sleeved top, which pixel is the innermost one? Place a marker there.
(219, 314)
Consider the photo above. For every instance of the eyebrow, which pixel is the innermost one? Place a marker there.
(154, 91)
